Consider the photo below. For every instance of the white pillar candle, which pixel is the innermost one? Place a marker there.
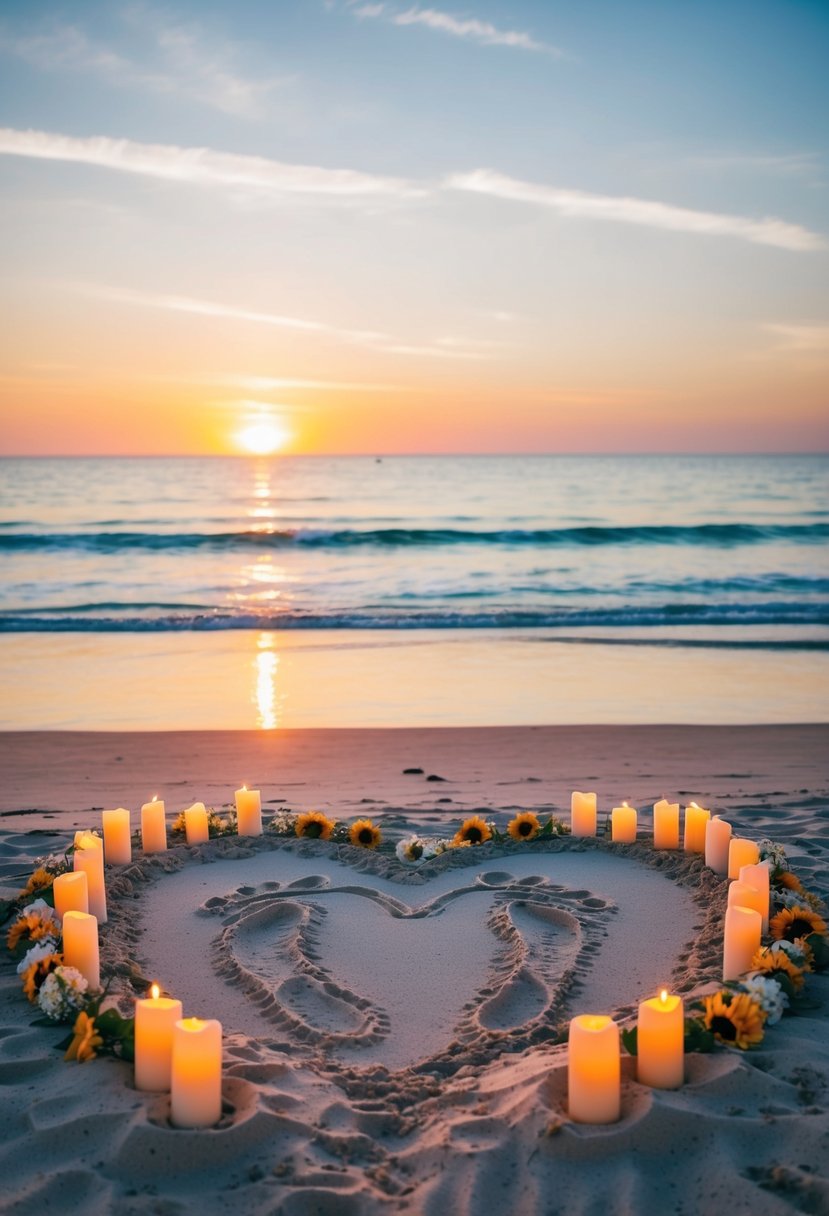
(743, 895)
(696, 819)
(248, 812)
(717, 840)
(665, 824)
(153, 827)
(660, 1042)
(195, 823)
(758, 876)
(89, 857)
(155, 1019)
(594, 1070)
(196, 1074)
(743, 927)
(80, 946)
(623, 824)
(117, 843)
(741, 852)
(582, 814)
(71, 892)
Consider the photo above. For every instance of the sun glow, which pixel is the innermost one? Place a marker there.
(263, 437)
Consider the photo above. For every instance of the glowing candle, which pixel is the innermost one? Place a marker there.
(155, 1019)
(71, 892)
(594, 1070)
(196, 1074)
(696, 819)
(195, 823)
(583, 814)
(741, 852)
(117, 843)
(660, 1042)
(248, 812)
(665, 824)
(89, 857)
(742, 894)
(623, 824)
(758, 876)
(717, 840)
(743, 928)
(80, 946)
(153, 827)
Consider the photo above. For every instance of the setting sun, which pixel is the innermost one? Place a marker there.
(263, 438)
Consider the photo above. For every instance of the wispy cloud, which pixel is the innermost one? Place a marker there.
(802, 339)
(182, 60)
(202, 166)
(470, 28)
(578, 204)
(266, 384)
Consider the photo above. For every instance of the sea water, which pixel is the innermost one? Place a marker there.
(401, 590)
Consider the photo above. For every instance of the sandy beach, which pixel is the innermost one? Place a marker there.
(393, 1037)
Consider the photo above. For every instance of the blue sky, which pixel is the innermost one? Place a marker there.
(496, 227)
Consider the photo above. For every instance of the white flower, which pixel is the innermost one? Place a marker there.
(43, 949)
(283, 823)
(788, 899)
(795, 954)
(39, 907)
(62, 993)
(768, 994)
(775, 852)
(410, 851)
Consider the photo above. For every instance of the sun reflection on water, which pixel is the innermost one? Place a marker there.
(265, 665)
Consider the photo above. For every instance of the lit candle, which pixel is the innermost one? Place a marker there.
(89, 857)
(623, 824)
(665, 824)
(196, 1074)
(155, 1019)
(153, 827)
(741, 852)
(71, 892)
(248, 812)
(660, 1042)
(117, 843)
(742, 894)
(80, 946)
(195, 823)
(717, 840)
(594, 1070)
(696, 819)
(583, 814)
(743, 927)
(758, 876)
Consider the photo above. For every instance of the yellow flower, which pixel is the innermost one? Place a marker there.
(524, 826)
(769, 961)
(473, 831)
(364, 834)
(785, 878)
(34, 976)
(315, 825)
(734, 1018)
(179, 824)
(796, 922)
(33, 926)
(85, 1041)
(38, 882)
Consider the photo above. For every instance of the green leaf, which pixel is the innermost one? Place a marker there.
(629, 1040)
(819, 946)
(697, 1036)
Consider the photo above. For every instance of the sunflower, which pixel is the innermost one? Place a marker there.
(364, 834)
(776, 964)
(473, 831)
(38, 882)
(734, 1018)
(86, 1039)
(315, 825)
(524, 826)
(34, 975)
(32, 925)
(785, 878)
(796, 922)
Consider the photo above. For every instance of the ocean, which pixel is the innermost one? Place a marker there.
(625, 560)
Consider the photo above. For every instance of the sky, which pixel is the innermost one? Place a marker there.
(355, 226)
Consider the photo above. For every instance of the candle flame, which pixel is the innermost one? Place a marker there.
(155, 797)
(245, 788)
(155, 992)
(624, 803)
(694, 805)
(663, 996)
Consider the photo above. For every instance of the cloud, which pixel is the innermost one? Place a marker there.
(580, 205)
(264, 384)
(471, 28)
(181, 62)
(809, 339)
(202, 166)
